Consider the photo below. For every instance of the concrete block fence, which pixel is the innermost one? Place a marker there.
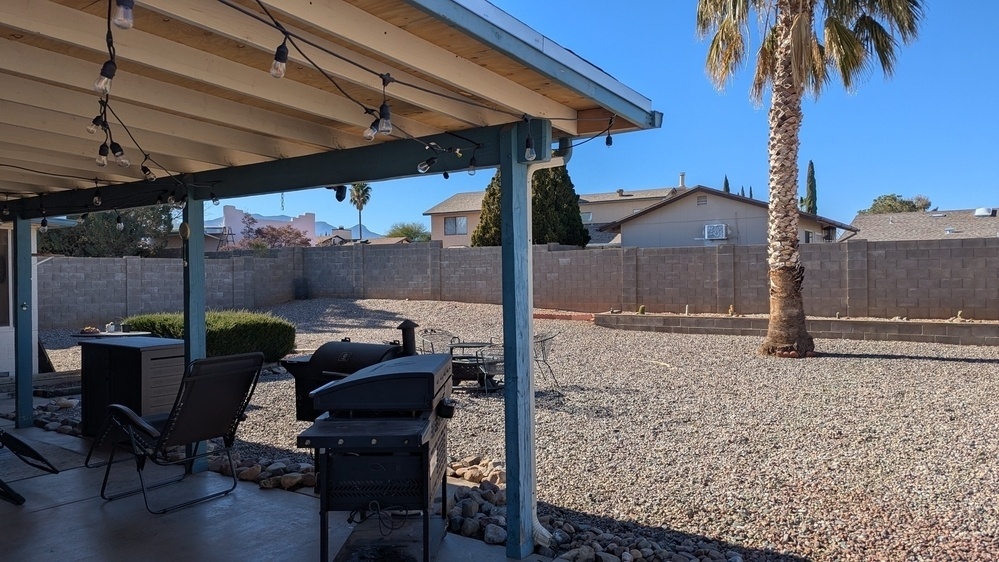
(931, 279)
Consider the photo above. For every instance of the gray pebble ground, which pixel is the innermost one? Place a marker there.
(873, 451)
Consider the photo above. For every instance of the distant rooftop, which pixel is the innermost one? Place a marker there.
(929, 225)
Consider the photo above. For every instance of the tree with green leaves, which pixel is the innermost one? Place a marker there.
(555, 209)
(555, 214)
(893, 203)
(412, 231)
(144, 231)
(360, 194)
(802, 43)
(809, 203)
(725, 187)
(489, 231)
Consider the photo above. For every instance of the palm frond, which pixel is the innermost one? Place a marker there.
(726, 52)
(765, 64)
(878, 41)
(844, 51)
(802, 36)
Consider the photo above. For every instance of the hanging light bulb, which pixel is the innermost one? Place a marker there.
(182, 202)
(102, 155)
(280, 64)
(159, 199)
(103, 83)
(384, 119)
(215, 200)
(424, 167)
(82, 218)
(370, 132)
(609, 141)
(44, 226)
(6, 210)
(172, 198)
(529, 153)
(446, 175)
(119, 224)
(119, 155)
(123, 14)
(471, 166)
(97, 198)
(150, 176)
(95, 125)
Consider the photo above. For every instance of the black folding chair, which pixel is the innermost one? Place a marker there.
(543, 343)
(210, 404)
(30, 456)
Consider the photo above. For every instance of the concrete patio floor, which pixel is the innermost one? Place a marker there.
(64, 518)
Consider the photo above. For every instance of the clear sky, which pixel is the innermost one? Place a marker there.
(932, 129)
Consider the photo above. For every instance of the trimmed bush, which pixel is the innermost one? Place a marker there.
(227, 331)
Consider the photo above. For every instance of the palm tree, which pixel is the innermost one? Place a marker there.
(360, 194)
(793, 59)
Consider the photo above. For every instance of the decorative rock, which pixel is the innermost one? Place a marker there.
(290, 480)
(468, 507)
(454, 523)
(272, 482)
(52, 426)
(250, 473)
(309, 479)
(469, 528)
(607, 557)
(65, 429)
(494, 534)
(473, 475)
(215, 464)
(276, 467)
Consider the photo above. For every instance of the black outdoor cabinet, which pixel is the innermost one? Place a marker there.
(142, 373)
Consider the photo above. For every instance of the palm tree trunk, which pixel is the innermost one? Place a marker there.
(786, 332)
(360, 230)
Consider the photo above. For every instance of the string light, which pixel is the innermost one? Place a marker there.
(370, 132)
(6, 210)
(97, 198)
(150, 176)
(424, 167)
(122, 17)
(96, 125)
(118, 223)
(529, 153)
(447, 175)
(280, 64)
(119, 155)
(103, 83)
(610, 141)
(215, 200)
(471, 165)
(44, 227)
(102, 155)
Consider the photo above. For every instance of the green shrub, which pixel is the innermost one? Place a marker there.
(227, 331)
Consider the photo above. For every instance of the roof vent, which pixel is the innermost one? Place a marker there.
(950, 230)
(984, 212)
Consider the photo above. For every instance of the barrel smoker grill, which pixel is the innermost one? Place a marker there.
(336, 360)
(381, 443)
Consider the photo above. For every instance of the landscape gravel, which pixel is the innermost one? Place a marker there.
(876, 450)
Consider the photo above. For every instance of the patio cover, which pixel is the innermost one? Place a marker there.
(203, 113)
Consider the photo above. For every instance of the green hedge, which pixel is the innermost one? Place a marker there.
(228, 331)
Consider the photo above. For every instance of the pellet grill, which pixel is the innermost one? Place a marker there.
(381, 444)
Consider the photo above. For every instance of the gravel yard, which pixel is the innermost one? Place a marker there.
(873, 451)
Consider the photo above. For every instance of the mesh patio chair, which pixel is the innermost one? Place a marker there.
(210, 404)
(543, 343)
(489, 360)
(30, 456)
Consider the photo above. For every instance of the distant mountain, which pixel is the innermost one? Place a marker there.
(322, 228)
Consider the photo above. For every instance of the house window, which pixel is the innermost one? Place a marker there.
(829, 233)
(455, 225)
(809, 237)
(702, 199)
(587, 216)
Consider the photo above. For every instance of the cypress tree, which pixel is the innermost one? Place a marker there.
(489, 233)
(751, 192)
(555, 211)
(810, 204)
(742, 191)
(725, 185)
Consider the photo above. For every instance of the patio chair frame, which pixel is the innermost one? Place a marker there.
(29, 456)
(198, 415)
(542, 350)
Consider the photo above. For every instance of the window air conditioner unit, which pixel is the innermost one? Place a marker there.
(715, 232)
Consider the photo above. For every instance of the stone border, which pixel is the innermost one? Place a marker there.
(955, 333)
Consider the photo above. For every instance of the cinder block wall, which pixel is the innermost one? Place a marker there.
(924, 279)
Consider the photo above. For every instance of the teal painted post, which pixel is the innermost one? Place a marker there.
(518, 307)
(194, 282)
(194, 298)
(24, 348)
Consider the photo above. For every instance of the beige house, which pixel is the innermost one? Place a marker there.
(702, 216)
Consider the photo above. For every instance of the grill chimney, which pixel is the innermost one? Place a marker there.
(408, 328)
(682, 176)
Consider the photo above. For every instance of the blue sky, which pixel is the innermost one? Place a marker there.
(932, 129)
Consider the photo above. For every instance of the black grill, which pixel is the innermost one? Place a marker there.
(337, 359)
(383, 439)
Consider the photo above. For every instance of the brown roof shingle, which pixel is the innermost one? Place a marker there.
(930, 225)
